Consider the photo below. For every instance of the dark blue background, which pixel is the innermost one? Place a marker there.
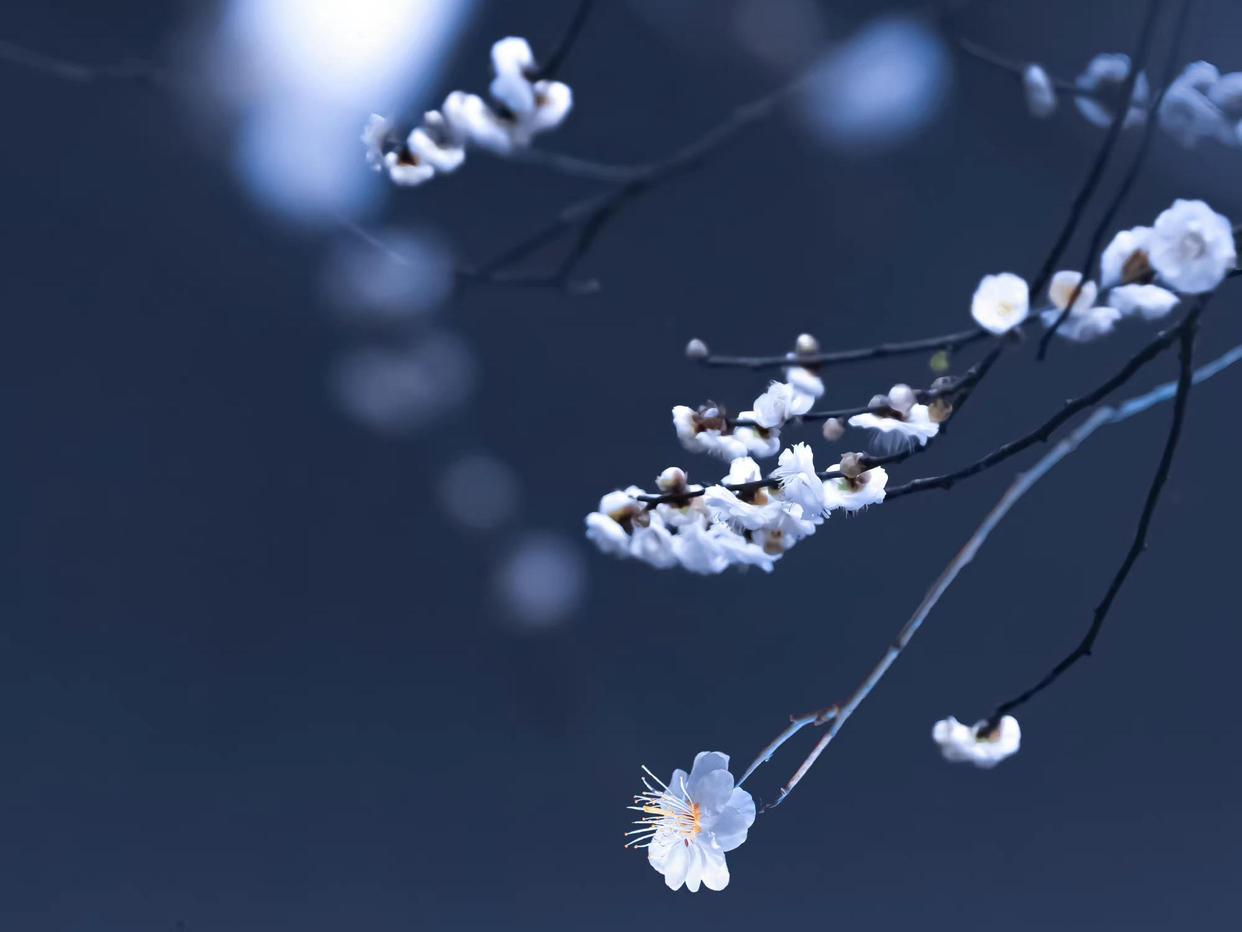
(249, 678)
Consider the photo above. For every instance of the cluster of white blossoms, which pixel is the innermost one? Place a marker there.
(1189, 250)
(1201, 103)
(745, 520)
(977, 744)
(691, 822)
(521, 106)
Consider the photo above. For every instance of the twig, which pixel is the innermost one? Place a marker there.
(945, 341)
(1184, 380)
(1013, 66)
(80, 72)
(1106, 220)
(1021, 485)
(552, 66)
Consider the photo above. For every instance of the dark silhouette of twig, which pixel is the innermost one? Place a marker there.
(1106, 220)
(552, 66)
(945, 341)
(1186, 339)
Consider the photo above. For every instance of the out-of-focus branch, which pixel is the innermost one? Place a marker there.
(552, 66)
(81, 72)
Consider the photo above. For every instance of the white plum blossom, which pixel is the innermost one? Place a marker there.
(800, 483)
(607, 534)
(857, 493)
(1085, 321)
(1192, 247)
(653, 544)
(1001, 302)
(691, 822)
(1150, 301)
(725, 505)
(1103, 83)
(1041, 97)
(1188, 113)
(805, 382)
(1063, 287)
(897, 430)
(1124, 260)
(435, 143)
(962, 743)
(374, 137)
(707, 431)
(778, 404)
(406, 169)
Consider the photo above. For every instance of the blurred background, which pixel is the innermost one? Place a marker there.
(302, 632)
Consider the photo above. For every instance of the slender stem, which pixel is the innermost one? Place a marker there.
(1106, 220)
(80, 72)
(555, 61)
(1184, 381)
(978, 52)
(945, 341)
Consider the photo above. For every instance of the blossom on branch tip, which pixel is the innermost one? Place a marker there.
(778, 404)
(800, 483)
(1001, 302)
(896, 430)
(1124, 260)
(1150, 301)
(1041, 97)
(1103, 83)
(707, 431)
(691, 822)
(435, 143)
(961, 743)
(854, 494)
(1192, 247)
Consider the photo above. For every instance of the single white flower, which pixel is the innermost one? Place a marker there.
(698, 551)
(756, 441)
(799, 482)
(1041, 97)
(1151, 301)
(407, 169)
(691, 822)
(778, 404)
(606, 534)
(512, 61)
(1187, 112)
(1103, 82)
(1062, 289)
(1192, 247)
(653, 544)
(915, 427)
(787, 529)
(704, 431)
(470, 118)
(434, 143)
(804, 380)
(1001, 302)
(1083, 324)
(855, 494)
(739, 550)
(959, 742)
(757, 510)
(1124, 260)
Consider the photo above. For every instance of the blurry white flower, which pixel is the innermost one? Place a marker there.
(698, 552)
(915, 427)
(606, 534)
(469, 117)
(1062, 289)
(1000, 303)
(1192, 247)
(799, 482)
(1104, 81)
(1083, 324)
(1124, 260)
(756, 511)
(805, 382)
(388, 275)
(740, 551)
(541, 582)
(1188, 114)
(959, 742)
(512, 60)
(1226, 93)
(406, 169)
(855, 494)
(757, 441)
(434, 143)
(653, 544)
(691, 822)
(778, 404)
(1151, 301)
(1041, 97)
(706, 431)
(374, 138)
(478, 491)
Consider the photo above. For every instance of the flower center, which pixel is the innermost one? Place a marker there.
(669, 815)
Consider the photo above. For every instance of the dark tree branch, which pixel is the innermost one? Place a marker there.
(1106, 220)
(556, 60)
(1186, 339)
(945, 341)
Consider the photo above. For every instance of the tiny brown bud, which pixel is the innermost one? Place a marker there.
(940, 410)
(806, 344)
(672, 479)
(696, 349)
(834, 430)
(851, 465)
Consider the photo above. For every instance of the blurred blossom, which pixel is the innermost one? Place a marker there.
(300, 77)
(780, 33)
(400, 389)
(880, 87)
(479, 492)
(388, 276)
(542, 582)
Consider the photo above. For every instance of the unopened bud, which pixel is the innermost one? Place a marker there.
(851, 465)
(940, 410)
(806, 344)
(901, 398)
(942, 384)
(940, 361)
(672, 479)
(878, 401)
(696, 349)
(834, 430)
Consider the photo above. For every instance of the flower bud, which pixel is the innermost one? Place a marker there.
(834, 430)
(942, 384)
(696, 349)
(672, 479)
(851, 465)
(878, 401)
(901, 398)
(806, 344)
(940, 410)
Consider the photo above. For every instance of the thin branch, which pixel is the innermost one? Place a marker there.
(80, 72)
(945, 341)
(1184, 380)
(552, 66)
(1096, 173)
(1106, 220)
(1021, 485)
(978, 52)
